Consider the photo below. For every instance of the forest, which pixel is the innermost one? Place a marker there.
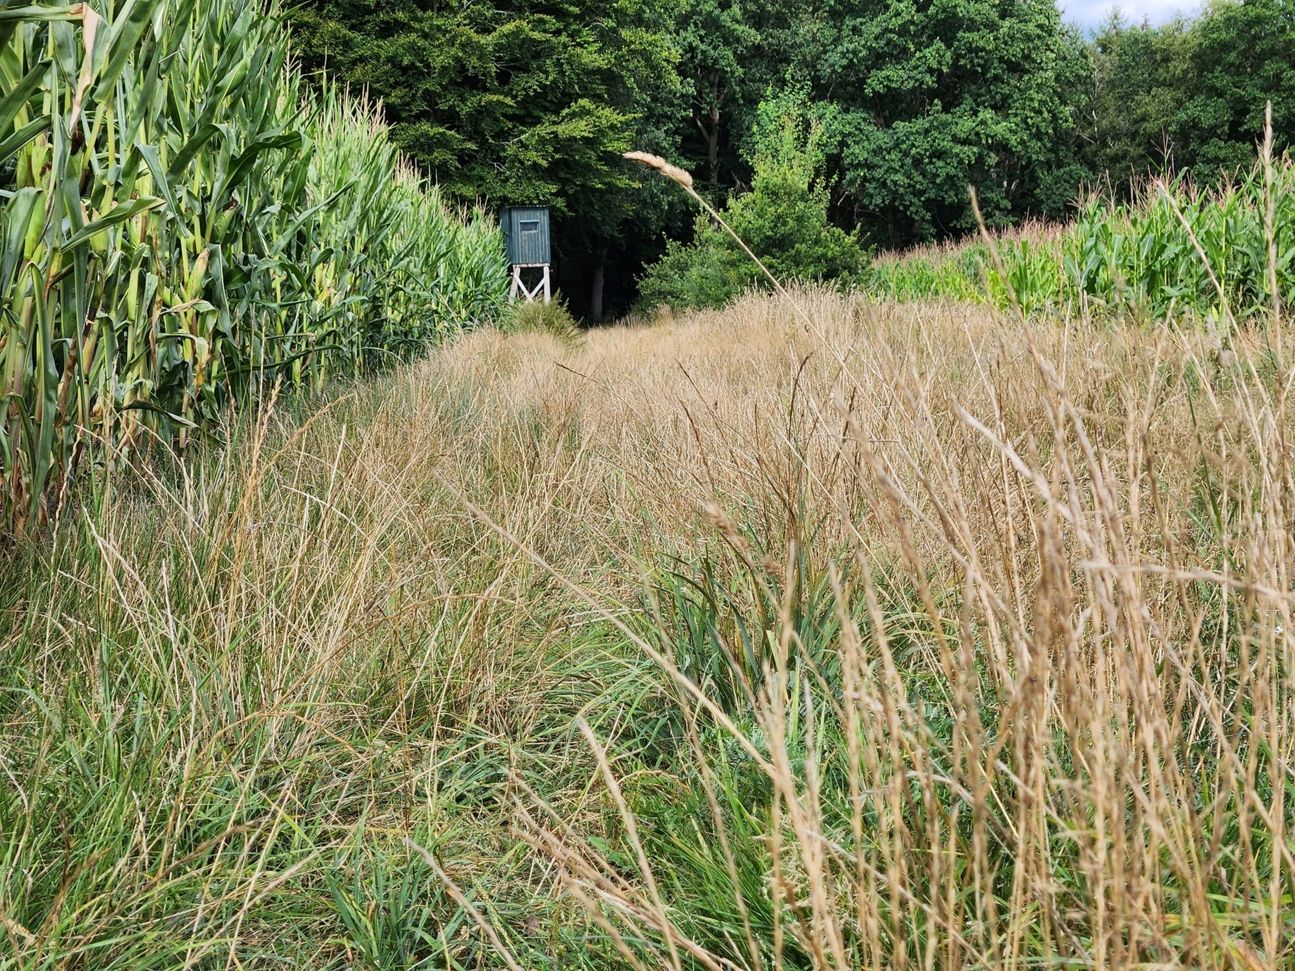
(910, 102)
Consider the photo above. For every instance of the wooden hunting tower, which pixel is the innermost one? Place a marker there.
(526, 233)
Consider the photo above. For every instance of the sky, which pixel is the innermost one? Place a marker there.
(1088, 14)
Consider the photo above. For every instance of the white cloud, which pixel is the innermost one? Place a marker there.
(1090, 13)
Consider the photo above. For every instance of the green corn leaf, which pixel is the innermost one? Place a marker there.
(18, 215)
(331, 257)
(10, 146)
(14, 101)
(243, 164)
(115, 217)
(161, 183)
(123, 40)
(34, 13)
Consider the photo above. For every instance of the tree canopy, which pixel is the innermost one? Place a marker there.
(911, 102)
(1190, 96)
(515, 103)
(928, 97)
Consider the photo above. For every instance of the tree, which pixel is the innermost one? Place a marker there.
(929, 97)
(522, 102)
(783, 219)
(732, 52)
(1190, 96)
(1132, 101)
(1240, 56)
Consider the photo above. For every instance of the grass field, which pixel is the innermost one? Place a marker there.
(893, 636)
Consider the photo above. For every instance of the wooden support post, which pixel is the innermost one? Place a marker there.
(521, 290)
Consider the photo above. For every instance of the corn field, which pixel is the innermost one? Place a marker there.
(183, 221)
(1227, 255)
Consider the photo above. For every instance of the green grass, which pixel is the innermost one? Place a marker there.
(225, 755)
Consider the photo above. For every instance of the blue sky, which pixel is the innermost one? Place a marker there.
(1090, 13)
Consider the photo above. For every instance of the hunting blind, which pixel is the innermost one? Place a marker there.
(526, 233)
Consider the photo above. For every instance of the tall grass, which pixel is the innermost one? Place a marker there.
(904, 641)
(181, 222)
(993, 669)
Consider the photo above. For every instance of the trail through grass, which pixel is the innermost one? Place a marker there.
(920, 640)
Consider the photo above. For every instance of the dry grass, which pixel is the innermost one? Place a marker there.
(1037, 232)
(907, 636)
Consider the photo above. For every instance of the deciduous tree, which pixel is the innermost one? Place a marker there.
(531, 101)
(929, 97)
(1190, 96)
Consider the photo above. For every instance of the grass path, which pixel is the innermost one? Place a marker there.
(915, 641)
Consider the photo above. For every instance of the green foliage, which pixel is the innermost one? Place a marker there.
(1190, 96)
(717, 639)
(534, 102)
(947, 276)
(1172, 249)
(930, 98)
(917, 102)
(732, 54)
(1141, 255)
(783, 219)
(181, 224)
(708, 272)
(387, 901)
(535, 317)
(526, 103)
(521, 103)
(679, 828)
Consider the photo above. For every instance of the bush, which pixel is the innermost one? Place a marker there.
(540, 318)
(783, 219)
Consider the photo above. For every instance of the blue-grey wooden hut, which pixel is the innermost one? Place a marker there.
(526, 235)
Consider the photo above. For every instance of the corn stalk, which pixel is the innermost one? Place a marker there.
(181, 221)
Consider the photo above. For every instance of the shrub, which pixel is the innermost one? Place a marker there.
(783, 219)
(526, 317)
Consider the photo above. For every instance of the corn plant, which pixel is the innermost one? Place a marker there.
(1172, 250)
(1177, 248)
(181, 221)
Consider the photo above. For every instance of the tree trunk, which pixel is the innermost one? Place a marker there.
(707, 122)
(712, 146)
(596, 289)
(712, 137)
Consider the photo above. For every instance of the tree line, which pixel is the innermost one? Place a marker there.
(882, 112)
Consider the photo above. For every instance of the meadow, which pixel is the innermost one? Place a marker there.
(889, 635)
(348, 618)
